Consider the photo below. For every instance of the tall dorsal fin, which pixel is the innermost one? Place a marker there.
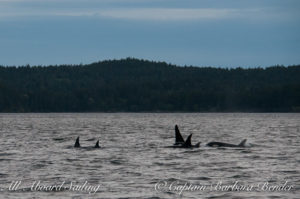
(77, 142)
(188, 142)
(243, 142)
(97, 144)
(178, 136)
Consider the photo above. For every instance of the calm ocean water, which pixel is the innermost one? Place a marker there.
(37, 154)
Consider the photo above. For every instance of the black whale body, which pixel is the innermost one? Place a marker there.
(223, 144)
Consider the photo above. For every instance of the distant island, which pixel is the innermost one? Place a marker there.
(132, 85)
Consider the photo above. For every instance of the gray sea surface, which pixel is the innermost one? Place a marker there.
(38, 160)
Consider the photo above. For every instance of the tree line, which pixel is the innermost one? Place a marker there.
(132, 85)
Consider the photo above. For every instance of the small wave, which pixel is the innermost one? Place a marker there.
(254, 157)
(152, 145)
(275, 197)
(246, 151)
(4, 160)
(191, 150)
(3, 175)
(58, 139)
(200, 178)
(278, 157)
(7, 154)
(226, 195)
(39, 166)
(165, 164)
(117, 162)
(174, 179)
(289, 171)
(240, 176)
(71, 160)
(96, 161)
(91, 139)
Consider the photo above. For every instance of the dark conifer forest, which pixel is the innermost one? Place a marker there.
(132, 85)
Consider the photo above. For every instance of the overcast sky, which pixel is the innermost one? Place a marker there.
(221, 33)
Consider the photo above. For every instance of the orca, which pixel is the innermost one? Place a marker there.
(222, 144)
(178, 137)
(97, 145)
(187, 143)
(77, 144)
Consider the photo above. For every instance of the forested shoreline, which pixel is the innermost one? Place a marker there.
(132, 85)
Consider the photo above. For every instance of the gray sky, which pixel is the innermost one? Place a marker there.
(221, 33)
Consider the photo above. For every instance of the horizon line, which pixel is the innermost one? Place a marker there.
(149, 60)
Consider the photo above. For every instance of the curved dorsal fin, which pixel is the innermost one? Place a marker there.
(243, 142)
(97, 144)
(188, 142)
(77, 144)
(197, 145)
(178, 136)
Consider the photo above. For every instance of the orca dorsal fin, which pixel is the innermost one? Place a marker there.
(243, 143)
(77, 144)
(178, 136)
(197, 145)
(188, 142)
(97, 144)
